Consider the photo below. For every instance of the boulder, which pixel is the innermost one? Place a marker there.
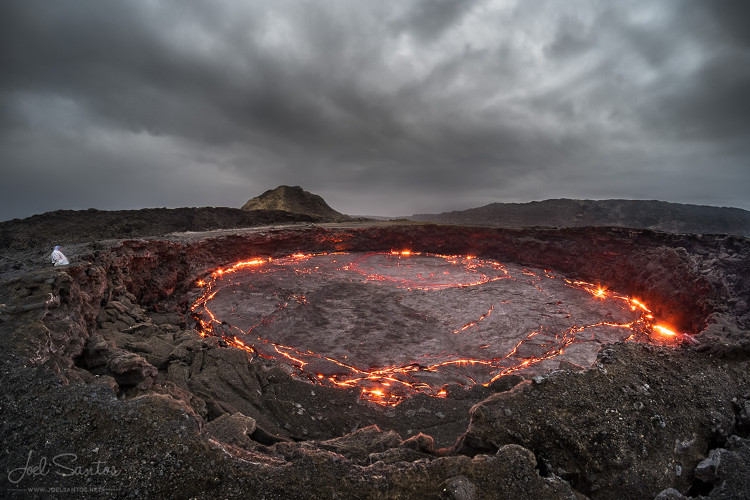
(232, 429)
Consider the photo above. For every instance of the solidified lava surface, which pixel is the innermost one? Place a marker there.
(396, 323)
(102, 358)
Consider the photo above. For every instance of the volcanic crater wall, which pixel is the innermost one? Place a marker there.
(688, 281)
(659, 268)
(698, 283)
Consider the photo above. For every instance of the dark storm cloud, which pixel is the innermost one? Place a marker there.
(428, 19)
(381, 107)
(731, 20)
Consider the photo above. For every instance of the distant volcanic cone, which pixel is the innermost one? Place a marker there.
(295, 200)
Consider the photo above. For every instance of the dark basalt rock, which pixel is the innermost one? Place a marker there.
(643, 214)
(294, 199)
(233, 429)
(641, 420)
(66, 227)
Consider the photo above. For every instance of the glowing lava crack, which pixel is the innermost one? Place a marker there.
(397, 323)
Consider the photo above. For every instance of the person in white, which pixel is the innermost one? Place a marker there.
(58, 258)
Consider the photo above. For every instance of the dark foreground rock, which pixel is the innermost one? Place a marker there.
(109, 392)
(654, 426)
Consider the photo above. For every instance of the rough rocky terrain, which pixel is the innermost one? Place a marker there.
(65, 227)
(643, 214)
(110, 392)
(295, 200)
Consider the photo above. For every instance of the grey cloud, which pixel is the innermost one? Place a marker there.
(428, 19)
(571, 40)
(731, 18)
(713, 105)
(454, 102)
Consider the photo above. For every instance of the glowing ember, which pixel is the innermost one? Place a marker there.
(664, 331)
(396, 323)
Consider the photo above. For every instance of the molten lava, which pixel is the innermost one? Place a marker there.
(393, 324)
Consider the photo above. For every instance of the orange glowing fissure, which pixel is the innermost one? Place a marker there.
(388, 385)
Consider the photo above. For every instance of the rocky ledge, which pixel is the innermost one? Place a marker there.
(108, 389)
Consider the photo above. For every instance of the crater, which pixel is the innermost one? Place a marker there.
(397, 323)
(389, 355)
(400, 326)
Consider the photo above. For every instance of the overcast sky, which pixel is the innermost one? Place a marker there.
(382, 107)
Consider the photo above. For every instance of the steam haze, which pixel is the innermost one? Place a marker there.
(382, 108)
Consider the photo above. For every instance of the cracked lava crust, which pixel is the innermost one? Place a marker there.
(396, 323)
(386, 361)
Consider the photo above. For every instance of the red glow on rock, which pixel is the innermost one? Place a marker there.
(663, 330)
(391, 383)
